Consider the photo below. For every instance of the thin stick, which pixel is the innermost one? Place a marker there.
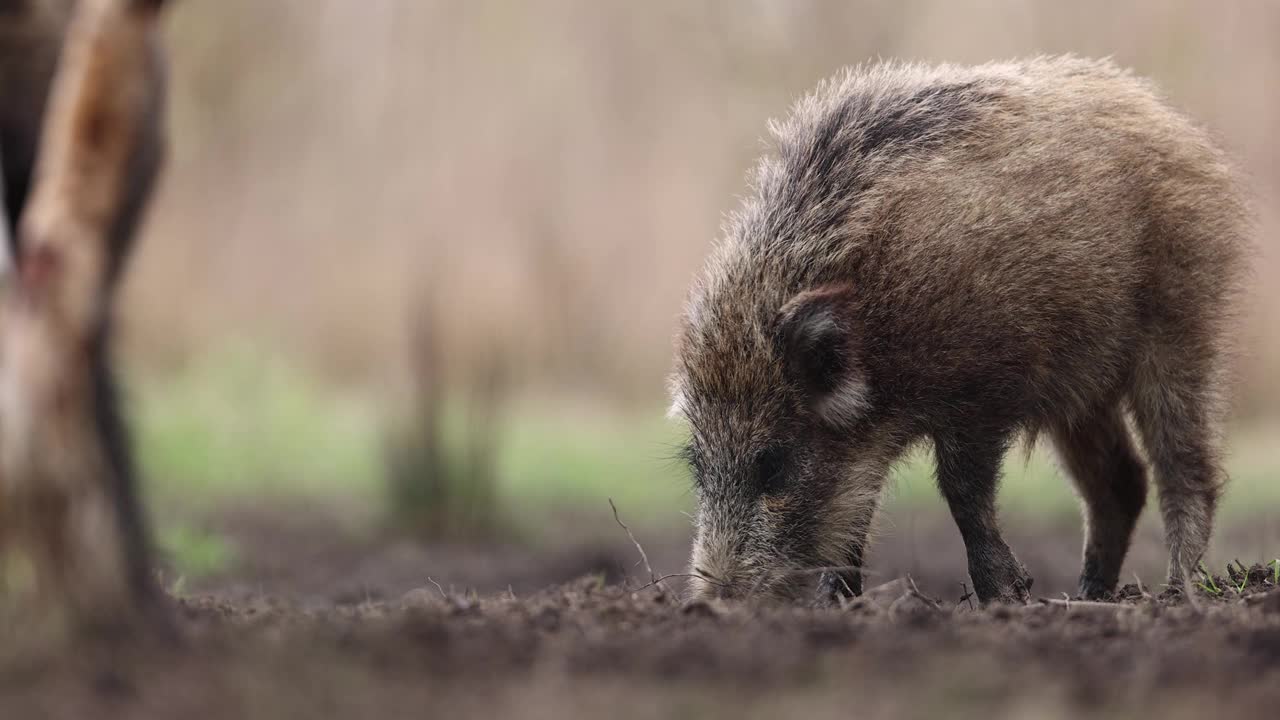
(704, 574)
(439, 587)
(703, 578)
(653, 577)
(915, 590)
(912, 590)
(1141, 590)
(967, 596)
(1082, 605)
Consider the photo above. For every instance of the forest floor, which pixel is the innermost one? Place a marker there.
(394, 628)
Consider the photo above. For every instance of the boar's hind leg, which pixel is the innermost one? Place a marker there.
(968, 475)
(1175, 411)
(1100, 458)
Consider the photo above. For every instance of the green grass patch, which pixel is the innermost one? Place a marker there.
(193, 553)
(583, 462)
(1035, 487)
(244, 427)
(1031, 485)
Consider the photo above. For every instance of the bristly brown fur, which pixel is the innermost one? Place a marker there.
(1012, 248)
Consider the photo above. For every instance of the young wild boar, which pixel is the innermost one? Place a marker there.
(81, 139)
(961, 256)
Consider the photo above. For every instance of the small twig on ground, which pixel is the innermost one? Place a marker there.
(1089, 607)
(653, 577)
(1080, 604)
(439, 587)
(915, 590)
(664, 578)
(704, 574)
(911, 591)
(1141, 590)
(967, 597)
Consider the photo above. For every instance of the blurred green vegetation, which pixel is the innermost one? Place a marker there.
(241, 429)
(193, 552)
(244, 426)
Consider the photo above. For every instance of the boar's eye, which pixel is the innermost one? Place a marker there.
(771, 468)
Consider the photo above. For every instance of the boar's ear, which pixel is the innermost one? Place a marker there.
(816, 339)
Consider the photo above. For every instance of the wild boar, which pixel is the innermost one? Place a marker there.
(962, 256)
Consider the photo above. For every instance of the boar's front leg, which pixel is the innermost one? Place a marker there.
(968, 475)
(837, 585)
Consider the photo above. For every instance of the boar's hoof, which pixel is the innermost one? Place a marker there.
(834, 589)
(1010, 584)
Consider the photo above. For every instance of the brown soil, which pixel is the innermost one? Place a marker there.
(317, 623)
(588, 649)
(310, 557)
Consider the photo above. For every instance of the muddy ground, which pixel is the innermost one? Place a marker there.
(310, 557)
(587, 649)
(316, 628)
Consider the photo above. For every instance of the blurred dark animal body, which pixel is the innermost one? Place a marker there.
(30, 40)
(962, 256)
(81, 135)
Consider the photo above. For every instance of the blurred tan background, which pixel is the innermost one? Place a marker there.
(445, 242)
(550, 174)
